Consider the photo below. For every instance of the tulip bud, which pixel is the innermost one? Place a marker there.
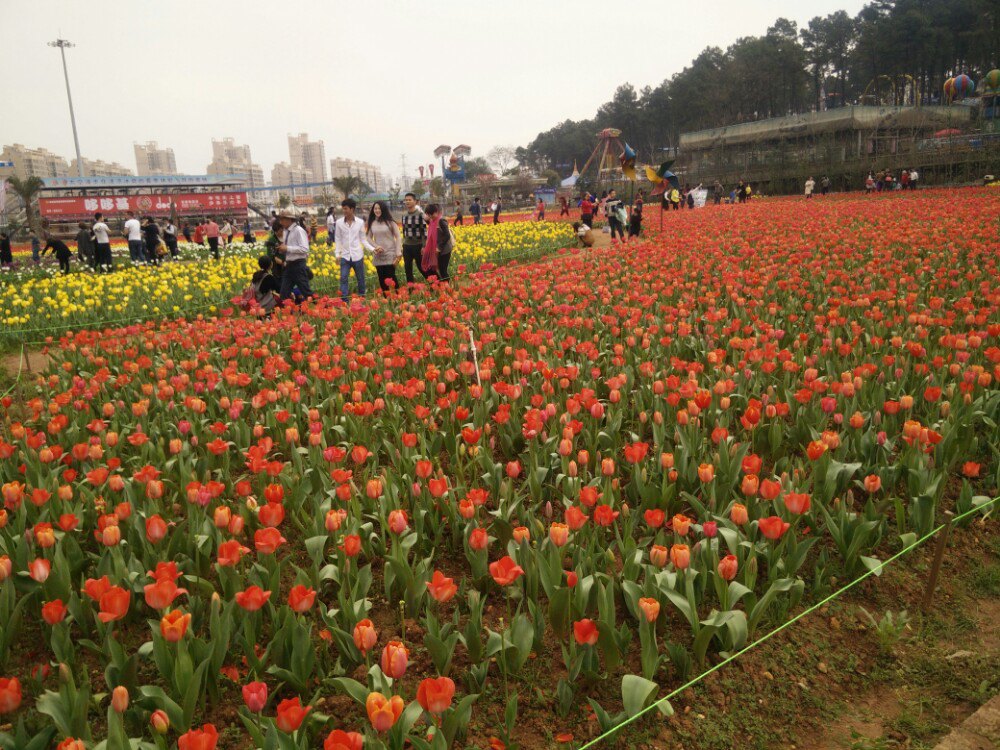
(160, 722)
(119, 699)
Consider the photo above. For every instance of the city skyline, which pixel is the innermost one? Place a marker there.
(508, 78)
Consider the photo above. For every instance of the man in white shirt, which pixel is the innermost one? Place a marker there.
(102, 243)
(914, 176)
(295, 245)
(351, 239)
(133, 232)
(331, 223)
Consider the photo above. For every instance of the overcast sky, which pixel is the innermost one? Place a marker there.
(373, 79)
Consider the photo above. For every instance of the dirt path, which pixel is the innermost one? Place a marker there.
(31, 361)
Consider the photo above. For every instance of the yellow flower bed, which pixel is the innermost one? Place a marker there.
(34, 301)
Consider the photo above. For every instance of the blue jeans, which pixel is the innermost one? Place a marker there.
(346, 266)
(135, 251)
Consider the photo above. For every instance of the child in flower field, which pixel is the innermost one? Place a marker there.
(584, 233)
(6, 256)
(635, 221)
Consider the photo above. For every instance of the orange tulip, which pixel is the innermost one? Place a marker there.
(728, 567)
(505, 571)
(680, 556)
(559, 534)
(383, 712)
(395, 658)
(706, 472)
(365, 636)
(658, 555)
(174, 625)
(650, 608)
(252, 599)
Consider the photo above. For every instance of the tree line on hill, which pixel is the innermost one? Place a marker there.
(892, 52)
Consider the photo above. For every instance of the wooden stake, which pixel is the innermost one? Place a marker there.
(936, 564)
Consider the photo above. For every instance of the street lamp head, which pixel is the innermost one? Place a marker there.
(63, 43)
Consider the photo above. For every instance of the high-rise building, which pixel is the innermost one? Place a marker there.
(306, 154)
(284, 174)
(230, 159)
(32, 162)
(369, 173)
(99, 168)
(150, 159)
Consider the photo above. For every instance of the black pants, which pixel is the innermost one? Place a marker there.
(587, 219)
(564, 211)
(616, 226)
(213, 244)
(172, 247)
(384, 274)
(102, 255)
(443, 261)
(411, 255)
(63, 263)
(295, 275)
(476, 218)
(634, 228)
(496, 218)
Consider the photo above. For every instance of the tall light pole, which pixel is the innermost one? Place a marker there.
(62, 44)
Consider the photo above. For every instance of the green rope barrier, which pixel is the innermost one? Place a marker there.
(874, 571)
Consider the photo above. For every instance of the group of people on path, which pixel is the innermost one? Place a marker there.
(618, 214)
(425, 243)
(876, 182)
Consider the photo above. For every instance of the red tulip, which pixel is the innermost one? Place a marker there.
(161, 594)
(10, 694)
(435, 695)
(585, 632)
(252, 598)
(505, 571)
(291, 714)
(352, 545)
(267, 541)
(441, 588)
(797, 502)
(114, 604)
(478, 539)
(39, 569)
(230, 552)
(54, 611)
(772, 527)
(338, 739)
(301, 599)
(199, 739)
(255, 696)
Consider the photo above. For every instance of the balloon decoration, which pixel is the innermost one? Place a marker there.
(949, 89)
(991, 82)
(963, 86)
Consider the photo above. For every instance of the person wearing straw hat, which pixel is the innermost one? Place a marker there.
(295, 246)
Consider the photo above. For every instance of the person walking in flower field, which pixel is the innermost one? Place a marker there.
(294, 246)
(383, 233)
(350, 242)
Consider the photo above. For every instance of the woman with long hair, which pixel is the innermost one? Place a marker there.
(383, 233)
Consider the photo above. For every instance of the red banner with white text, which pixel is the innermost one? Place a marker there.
(154, 205)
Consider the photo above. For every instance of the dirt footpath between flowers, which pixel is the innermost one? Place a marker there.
(31, 361)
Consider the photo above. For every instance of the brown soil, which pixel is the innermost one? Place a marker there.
(23, 363)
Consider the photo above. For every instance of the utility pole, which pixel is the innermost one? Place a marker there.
(62, 44)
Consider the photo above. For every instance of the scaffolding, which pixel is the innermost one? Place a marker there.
(845, 144)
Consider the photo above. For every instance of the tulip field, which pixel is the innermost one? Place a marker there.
(34, 302)
(508, 512)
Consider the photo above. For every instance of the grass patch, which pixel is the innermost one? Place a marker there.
(986, 581)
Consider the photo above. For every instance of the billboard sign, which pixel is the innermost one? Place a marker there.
(155, 205)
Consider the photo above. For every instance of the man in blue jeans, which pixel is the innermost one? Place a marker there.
(133, 232)
(351, 239)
